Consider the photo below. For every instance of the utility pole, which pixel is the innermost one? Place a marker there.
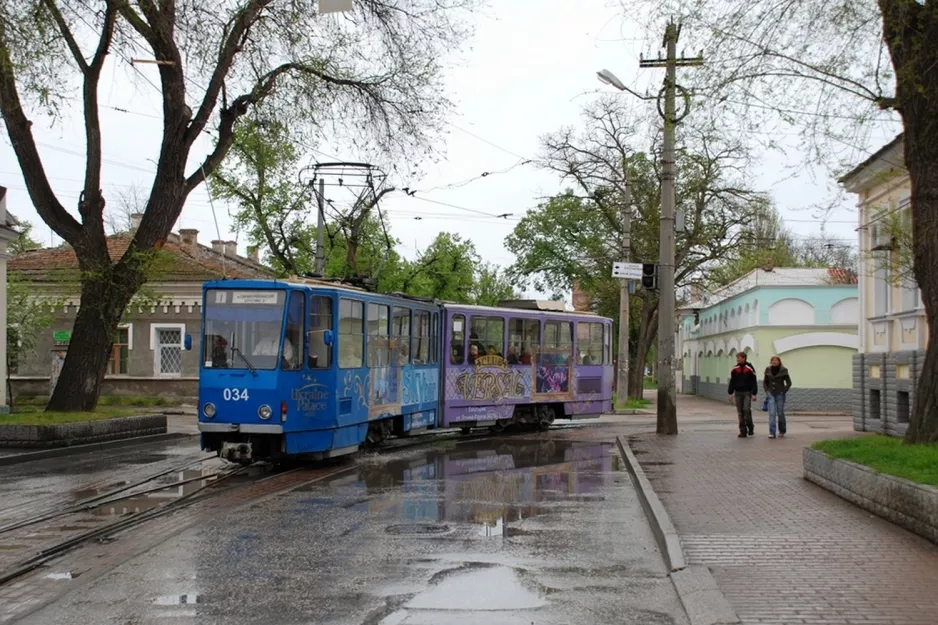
(622, 384)
(320, 227)
(667, 400)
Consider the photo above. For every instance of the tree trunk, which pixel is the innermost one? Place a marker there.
(646, 336)
(101, 307)
(922, 163)
(910, 30)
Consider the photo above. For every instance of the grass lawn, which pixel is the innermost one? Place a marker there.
(918, 463)
(33, 415)
(630, 404)
(650, 383)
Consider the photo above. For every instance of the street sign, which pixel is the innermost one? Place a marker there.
(627, 271)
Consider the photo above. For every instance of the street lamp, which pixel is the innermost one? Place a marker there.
(607, 77)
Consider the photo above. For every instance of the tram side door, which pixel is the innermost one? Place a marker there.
(292, 362)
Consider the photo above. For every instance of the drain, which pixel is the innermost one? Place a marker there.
(412, 529)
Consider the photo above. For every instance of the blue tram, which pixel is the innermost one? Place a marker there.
(318, 369)
(292, 368)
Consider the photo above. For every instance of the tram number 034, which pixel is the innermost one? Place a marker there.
(235, 394)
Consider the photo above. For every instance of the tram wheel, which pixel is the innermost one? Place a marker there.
(546, 418)
(465, 430)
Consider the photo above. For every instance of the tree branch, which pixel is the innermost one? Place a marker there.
(19, 129)
(241, 25)
(67, 34)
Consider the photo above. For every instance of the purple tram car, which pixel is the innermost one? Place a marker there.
(511, 366)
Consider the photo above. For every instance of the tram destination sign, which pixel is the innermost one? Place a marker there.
(627, 271)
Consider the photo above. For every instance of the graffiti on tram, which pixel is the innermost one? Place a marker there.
(491, 380)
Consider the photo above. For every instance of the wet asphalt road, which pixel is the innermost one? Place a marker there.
(32, 487)
(518, 530)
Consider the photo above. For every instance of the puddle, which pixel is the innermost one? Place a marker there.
(487, 589)
(482, 486)
(170, 487)
(65, 575)
(187, 599)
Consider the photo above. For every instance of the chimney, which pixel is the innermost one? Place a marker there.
(231, 248)
(190, 239)
(253, 254)
(135, 219)
(581, 300)
(218, 246)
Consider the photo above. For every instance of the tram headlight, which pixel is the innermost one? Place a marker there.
(264, 412)
(209, 410)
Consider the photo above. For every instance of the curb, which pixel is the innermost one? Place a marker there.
(60, 452)
(700, 596)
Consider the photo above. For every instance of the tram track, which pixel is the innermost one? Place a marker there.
(277, 482)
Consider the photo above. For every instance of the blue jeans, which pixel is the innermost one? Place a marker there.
(777, 412)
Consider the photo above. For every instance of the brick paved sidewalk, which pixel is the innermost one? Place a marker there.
(783, 550)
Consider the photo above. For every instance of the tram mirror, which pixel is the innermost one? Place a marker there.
(187, 342)
(327, 337)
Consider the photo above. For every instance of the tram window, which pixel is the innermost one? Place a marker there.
(400, 333)
(524, 340)
(320, 320)
(293, 338)
(422, 337)
(607, 344)
(486, 337)
(457, 354)
(351, 346)
(435, 339)
(378, 350)
(589, 343)
(558, 343)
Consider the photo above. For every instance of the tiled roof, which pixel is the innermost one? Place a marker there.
(178, 263)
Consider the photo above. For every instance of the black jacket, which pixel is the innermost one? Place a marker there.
(743, 380)
(777, 383)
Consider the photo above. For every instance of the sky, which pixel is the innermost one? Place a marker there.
(527, 71)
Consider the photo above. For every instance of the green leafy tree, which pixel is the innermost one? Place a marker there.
(24, 240)
(832, 70)
(370, 76)
(492, 285)
(444, 271)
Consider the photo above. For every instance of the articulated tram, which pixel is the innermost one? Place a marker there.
(317, 369)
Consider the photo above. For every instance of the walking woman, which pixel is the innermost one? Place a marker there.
(776, 384)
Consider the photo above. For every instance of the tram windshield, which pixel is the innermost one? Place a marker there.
(242, 329)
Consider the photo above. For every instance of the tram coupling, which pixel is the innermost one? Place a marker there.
(238, 452)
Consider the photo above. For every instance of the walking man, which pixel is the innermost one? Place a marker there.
(743, 388)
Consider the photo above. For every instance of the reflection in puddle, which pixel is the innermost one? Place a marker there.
(491, 588)
(171, 489)
(489, 486)
(188, 599)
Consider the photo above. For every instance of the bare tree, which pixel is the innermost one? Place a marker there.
(370, 76)
(577, 236)
(837, 71)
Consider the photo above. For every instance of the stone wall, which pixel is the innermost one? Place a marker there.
(884, 403)
(907, 504)
(81, 433)
(182, 389)
(798, 399)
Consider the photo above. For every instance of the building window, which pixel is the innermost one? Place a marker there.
(422, 337)
(400, 333)
(120, 350)
(589, 343)
(166, 342)
(880, 289)
(524, 339)
(320, 320)
(903, 405)
(351, 337)
(457, 345)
